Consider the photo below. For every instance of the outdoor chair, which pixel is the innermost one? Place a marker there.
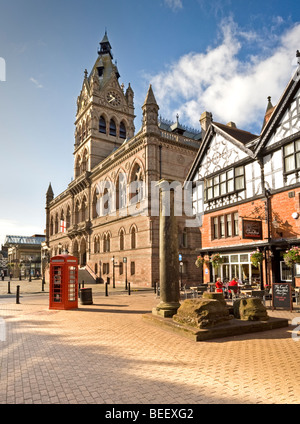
(261, 294)
(234, 292)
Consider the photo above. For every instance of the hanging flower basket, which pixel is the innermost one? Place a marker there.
(200, 261)
(256, 258)
(292, 256)
(216, 260)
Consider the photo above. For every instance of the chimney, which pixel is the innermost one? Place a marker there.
(231, 124)
(205, 121)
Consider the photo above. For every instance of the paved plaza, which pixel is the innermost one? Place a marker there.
(107, 353)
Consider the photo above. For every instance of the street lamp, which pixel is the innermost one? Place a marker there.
(114, 266)
(181, 266)
(125, 262)
(30, 259)
(45, 256)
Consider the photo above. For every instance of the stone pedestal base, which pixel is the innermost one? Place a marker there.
(166, 310)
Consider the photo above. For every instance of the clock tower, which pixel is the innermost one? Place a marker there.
(105, 113)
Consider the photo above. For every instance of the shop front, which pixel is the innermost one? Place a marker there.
(236, 262)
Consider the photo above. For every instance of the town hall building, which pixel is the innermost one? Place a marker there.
(104, 215)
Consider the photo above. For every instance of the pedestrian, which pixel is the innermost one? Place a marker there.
(2, 275)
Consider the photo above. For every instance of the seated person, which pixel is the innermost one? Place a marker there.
(219, 286)
(233, 285)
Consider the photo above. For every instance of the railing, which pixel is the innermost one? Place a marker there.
(91, 272)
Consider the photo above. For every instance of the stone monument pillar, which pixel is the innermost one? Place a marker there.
(168, 253)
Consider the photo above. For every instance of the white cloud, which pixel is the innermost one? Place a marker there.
(36, 83)
(220, 81)
(174, 4)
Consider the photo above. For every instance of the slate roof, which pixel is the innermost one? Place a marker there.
(240, 135)
(24, 240)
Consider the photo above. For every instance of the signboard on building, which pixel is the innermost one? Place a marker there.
(252, 229)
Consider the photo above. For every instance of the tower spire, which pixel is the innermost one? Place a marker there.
(105, 47)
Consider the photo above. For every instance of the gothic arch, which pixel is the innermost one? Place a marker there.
(77, 165)
(122, 234)
(82, 251)
(121, 189)
(85, 161)
(77, 211)
(135, 163)
(113, 127)
(137, 181)
(133, 236)
(123, 129)
(51, 229)
(95, 202)
(56, 223)
(75, 249)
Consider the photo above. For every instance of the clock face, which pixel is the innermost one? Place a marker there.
(113, 98)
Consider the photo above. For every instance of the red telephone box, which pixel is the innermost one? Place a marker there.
(63, 290)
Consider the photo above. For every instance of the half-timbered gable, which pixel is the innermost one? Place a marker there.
(224, 165)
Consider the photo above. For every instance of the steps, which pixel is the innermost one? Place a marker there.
(84, 275)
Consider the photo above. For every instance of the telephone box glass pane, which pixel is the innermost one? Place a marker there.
(57, 287)
(72, 295)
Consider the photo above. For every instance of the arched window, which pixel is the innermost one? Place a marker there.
(112, 128)
(121, 191)
(77, 212)
(84, 163)
(137, 185)
(80, 134)
(77, 167)
(108, 243)
(95, 208)
(56, 224)
(68, 217)
(133, 238)
(122, 240)
(84, 209)
(83, 131)
(87, 127)
(122, 130)
(51, 226)
(102, 125)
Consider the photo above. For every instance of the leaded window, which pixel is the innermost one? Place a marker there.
(291, 154)
(225, 183)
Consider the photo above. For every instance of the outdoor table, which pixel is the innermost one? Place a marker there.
(248, 292)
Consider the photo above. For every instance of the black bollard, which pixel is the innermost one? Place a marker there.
(106, 289)
(8, 287)
(128, 288)
(79, 287)
(43, 283)
(155, 287)
(18, 295)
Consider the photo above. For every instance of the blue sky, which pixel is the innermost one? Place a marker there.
(224, 56)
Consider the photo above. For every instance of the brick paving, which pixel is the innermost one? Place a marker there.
(106, 353)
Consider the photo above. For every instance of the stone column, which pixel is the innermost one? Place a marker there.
(168, 254)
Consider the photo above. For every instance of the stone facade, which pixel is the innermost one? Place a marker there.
(104, 215)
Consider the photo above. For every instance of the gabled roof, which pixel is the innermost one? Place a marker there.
(279, 110)
(236, 136)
